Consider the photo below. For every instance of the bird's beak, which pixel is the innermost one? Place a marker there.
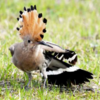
(45, 44)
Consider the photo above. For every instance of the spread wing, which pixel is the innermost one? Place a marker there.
(59, 53)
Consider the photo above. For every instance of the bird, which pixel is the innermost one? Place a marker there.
(57, 65)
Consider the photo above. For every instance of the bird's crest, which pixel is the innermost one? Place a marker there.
(32, 23)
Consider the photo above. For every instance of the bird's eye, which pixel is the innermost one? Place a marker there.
(29, 41)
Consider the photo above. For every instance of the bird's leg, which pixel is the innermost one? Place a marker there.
(43, 70)
(45, 84)
(29, 80)
(45, 65)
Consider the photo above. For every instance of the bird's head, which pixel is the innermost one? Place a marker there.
(28, 40)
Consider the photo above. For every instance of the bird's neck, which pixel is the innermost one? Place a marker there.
(38, 50)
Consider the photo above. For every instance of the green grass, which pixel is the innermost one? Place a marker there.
(72, 24)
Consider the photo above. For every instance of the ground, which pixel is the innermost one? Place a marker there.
(72, 24)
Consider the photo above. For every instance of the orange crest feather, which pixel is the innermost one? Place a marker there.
(32, 24)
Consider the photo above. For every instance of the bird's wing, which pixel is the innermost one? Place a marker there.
(52, 47)
(67, 76)
(59, 53)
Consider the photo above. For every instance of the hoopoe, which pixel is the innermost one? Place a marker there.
(34, 53)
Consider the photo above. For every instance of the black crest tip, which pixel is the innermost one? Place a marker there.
(32, 8)
(20, 16)
(28, 10)
(45, 20)
(21, 12)
(24, 8)
(41, 36)
(44, 30)
(18, 19)
(17, 29)
(35, 7)
(40, 15)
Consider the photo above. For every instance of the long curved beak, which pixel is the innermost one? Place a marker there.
(45, 44)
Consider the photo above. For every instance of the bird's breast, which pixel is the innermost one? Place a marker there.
(28, 59)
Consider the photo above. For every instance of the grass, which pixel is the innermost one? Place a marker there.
(72, 24)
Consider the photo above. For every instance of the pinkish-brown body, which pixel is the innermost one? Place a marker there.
(27, 58)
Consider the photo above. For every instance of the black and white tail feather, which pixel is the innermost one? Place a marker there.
(62, 73)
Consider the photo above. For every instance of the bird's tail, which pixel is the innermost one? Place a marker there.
(67, 76)
(32, 23)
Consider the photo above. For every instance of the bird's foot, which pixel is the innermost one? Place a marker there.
(26, 87)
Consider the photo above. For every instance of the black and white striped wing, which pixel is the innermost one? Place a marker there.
(60, 53)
